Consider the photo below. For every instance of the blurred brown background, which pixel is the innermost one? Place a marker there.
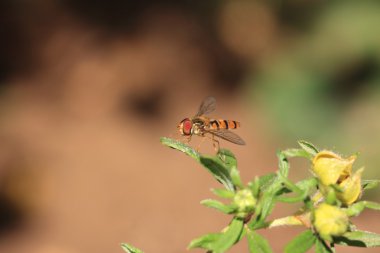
(87, 88)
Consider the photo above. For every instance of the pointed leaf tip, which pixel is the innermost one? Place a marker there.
(308, 147)
(359, 239)
(229, 237)
(218, 170)
(257, 243)
(130, 249)
(205, 241)
(171, 143)
(227, 209)
(301, 243)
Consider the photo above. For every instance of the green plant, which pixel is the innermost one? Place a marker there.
(330, 198)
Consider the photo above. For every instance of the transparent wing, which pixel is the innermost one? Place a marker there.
(208, 105)
(228, 136)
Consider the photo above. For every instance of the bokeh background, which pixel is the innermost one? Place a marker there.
(87, 88)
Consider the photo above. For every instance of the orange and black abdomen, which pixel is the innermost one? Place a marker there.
(223, 124)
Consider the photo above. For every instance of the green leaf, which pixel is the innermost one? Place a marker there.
(261, 184)
(372, 205)
(263, 209)
(130, 249)
(307, 184)
(321, 247)
(235, 177)
(212, 164)
(283, 164)
(220, 242)
(301, 188)
(218, 170)
(296, 152)
(205, 241)
(255, 187)
(257, 243)
(229, 237)
(357, 208)
(266, 203)
(301, 243)
(181, 147)
(358, 239)
(286, 221)
(308, 147)
(227, 209)
(242, 234)
(331, 196)
(292, 199)
(369, 184)
(289, 184)
(267, 180)
(229, 161)
(337, 188)
(223, 193)
(303, 185)
(228, 158)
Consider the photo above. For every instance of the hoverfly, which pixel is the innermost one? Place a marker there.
(201, 125)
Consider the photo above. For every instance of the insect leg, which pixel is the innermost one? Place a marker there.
(186, 139)
(199, 145)
(189, 138)
(215, 143)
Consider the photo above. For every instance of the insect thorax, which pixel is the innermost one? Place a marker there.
(198, 126)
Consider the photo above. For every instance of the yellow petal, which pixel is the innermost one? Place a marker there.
(351, 188)
(330, 220)
(330, 167)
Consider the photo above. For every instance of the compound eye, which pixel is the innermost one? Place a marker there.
(187, 126)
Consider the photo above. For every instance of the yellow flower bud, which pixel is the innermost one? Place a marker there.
(245, 202)
(330, 221)
(351, 188)
(331, 168)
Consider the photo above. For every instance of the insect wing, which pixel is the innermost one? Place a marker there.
(228, 136)
(208, 105)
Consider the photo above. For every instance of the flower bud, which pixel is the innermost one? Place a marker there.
(331, 168)
(351, 188)
(245, 202)
(330, 221)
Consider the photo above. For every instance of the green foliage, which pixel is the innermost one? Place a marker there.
(227, 209)
(223, 193)
(309, 148)
(181, 147)
(216, 167)
(257, 243)
(130, 249)
(229, 237)
(370, 184)
(321, 247)
(220, 242)
(205, 242)
(250, 205)
(301, 243)
(357, 208)
(359, 239)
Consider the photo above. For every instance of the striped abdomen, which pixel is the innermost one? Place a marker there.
(223, 124)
